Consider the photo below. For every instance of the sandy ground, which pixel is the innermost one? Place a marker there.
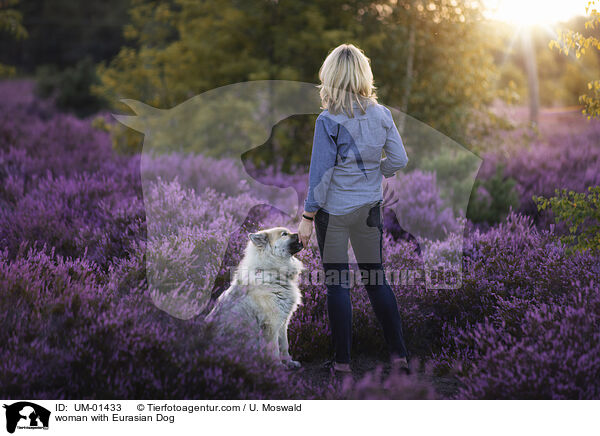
(446, 387)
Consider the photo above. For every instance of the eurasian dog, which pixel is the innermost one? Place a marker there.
(264, 292)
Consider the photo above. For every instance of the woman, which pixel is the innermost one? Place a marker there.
(345, 195)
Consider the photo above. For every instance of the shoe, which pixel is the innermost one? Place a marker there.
(401, 365)
(330, 365)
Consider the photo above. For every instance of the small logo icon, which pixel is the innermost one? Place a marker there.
(26, 415)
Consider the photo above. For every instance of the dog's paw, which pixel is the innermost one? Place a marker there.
(291, 364)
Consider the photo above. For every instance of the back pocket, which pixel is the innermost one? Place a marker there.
(374, 217)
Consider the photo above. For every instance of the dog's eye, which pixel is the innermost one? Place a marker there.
(284, 233)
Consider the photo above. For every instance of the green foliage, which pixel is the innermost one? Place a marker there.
(124, 141)
(580, 212)
(493, 198)
(455, 78)
(562, 79)
(579, 43)
(11, 22)
(11, 19)
(7, 71)
(290, 142)
(456, 169)
(62, 32)
(182, 48)
(70, 87)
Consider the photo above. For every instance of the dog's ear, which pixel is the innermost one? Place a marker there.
(259, 239)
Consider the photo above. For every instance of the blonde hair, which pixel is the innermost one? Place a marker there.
(346, 77)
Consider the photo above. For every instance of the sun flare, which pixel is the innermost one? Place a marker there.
(531, 12)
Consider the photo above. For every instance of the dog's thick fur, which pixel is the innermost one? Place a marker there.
(264, 292)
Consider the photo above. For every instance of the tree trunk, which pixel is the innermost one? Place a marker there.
(532, 76)
(409, 70)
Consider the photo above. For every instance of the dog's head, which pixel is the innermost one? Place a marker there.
(279, 241)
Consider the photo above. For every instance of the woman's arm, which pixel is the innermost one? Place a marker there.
(309, 214)
(394, 151)
(322, 160)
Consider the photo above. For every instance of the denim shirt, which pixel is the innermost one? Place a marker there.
(346, 168)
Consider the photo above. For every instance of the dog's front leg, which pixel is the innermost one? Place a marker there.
(271, 335)
(284, 348)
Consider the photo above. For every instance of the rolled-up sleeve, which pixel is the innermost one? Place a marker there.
(322, 161)
(395, 153)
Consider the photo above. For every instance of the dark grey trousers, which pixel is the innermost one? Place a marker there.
(364, 229)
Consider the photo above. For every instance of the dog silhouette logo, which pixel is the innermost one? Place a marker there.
(26, 415)
(194, 150)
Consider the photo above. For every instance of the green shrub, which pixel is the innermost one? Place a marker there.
(579, 211)
(492, 199)
(71, 87)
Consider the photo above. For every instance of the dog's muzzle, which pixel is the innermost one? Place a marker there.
(295, 245)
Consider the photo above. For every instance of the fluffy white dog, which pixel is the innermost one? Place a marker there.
(264, 292)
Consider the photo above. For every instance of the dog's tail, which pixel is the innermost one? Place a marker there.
(214, 295)
(204, 312)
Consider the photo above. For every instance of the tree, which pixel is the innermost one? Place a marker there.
(410, 59)
(63, 32)
(11, 23)
(446, 77)
(571, 40)
(430, 58)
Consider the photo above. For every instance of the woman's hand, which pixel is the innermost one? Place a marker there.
(305, 231)
(389, 195)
